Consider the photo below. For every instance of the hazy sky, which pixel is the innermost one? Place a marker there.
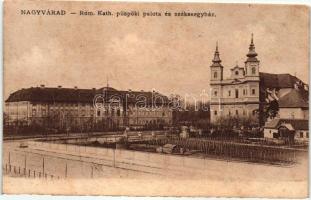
(172, 55)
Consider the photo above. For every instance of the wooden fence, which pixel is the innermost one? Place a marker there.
(232, 150)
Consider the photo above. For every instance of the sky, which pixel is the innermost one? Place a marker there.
(168, 54)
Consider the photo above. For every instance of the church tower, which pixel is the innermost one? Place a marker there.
(216, 86)
(252, 63)
(216, 67)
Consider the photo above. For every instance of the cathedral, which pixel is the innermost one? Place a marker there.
(245, 93)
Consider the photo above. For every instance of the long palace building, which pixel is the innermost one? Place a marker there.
(86, 109)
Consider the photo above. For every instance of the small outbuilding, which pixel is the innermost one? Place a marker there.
(289, 129)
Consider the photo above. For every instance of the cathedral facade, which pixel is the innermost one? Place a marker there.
(237, 95)
(247, 93)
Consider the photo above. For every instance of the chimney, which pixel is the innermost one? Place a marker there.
(42, 86)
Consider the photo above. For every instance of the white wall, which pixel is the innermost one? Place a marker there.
(268, 133)
(303, 133)
(293, 113)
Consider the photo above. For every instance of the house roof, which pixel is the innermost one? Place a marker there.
(297, 124)
(288, 126)
(74, 95)
(293, 99)
(277, 80)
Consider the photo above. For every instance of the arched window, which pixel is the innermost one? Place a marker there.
(253, 70)
(215, 93)
(236, 72)
(215, 74)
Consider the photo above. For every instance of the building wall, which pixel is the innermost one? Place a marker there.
(16, 112)
(268, 132)
(68, 114)
(142, 116)
(235, 99)
(293, 113)
(302, 135)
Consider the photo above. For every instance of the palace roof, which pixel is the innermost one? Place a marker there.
(75, 95)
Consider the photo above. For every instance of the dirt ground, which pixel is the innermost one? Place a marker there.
(83, 174)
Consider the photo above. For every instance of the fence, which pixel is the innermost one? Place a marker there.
(232, 150)
(154, 162)
(18, 167)
(45, 166)
(144, 162)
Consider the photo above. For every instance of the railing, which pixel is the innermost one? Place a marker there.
(233, 150)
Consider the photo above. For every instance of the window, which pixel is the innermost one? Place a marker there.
(215, 74)
(98, 113)
(229, 93)
(215, 112)
(215, 93)
(236, 93)
(307, 134)
(236, 112)
(253, 91)
(301, 134)
(254, 112)
(253, 70)
(244, 112)
(229, 113)
(236, 72)
(244, 92)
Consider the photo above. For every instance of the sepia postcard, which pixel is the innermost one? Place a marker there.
(155, 99)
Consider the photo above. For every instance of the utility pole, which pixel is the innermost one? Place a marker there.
(114, 157)
(25, 161)
(9, 158)
(66, 171)
(43, 166)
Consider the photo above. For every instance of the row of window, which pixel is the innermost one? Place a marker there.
(149, 113)
(236, 112)
(45, 113)
(60, 105)
(237, 72)
(106, 113)
(236, 92)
